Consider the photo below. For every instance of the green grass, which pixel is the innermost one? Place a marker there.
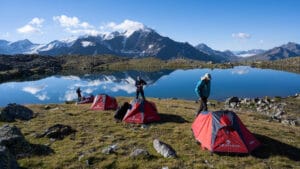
(97, 129)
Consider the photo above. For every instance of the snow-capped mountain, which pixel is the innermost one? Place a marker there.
(18, 47)
(138, 42)
(248, 53)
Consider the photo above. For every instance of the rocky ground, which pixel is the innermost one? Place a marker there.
(72, 136)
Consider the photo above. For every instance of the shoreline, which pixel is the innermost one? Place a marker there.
(36, 67)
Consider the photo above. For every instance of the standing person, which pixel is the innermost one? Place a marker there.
(203, 90)
(139, 84)
(78, 91)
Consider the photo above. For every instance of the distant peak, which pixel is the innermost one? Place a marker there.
(128, 27)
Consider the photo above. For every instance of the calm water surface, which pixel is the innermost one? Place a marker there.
(240, 81)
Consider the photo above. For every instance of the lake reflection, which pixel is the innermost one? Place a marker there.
(240, 81)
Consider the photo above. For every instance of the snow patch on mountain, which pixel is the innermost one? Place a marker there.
(128, 27)
(87, 44)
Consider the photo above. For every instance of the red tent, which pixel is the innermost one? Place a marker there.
(104, 102)
(142, 111)
(223, 131)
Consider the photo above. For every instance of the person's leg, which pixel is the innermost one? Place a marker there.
(137, 94)
(200, 107)
(142, 93)
(205, 103)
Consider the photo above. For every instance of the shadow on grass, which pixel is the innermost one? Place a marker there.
(269, 147)
(40, 150)
(165, 118)
(34, 150)
(272, 147)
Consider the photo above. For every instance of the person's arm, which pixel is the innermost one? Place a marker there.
(208, 88)
(197, 89)
(144, 82)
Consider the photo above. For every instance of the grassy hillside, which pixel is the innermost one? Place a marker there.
(290, 64)
(97, 130)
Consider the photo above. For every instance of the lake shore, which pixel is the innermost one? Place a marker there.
(96, 130)
(32, 67)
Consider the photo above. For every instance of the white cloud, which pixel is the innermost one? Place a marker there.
(129, 88)
(66, 21)
(240, 71)
(34, 89)
(88, 90)
(28, 29)
(95, 83)
(37, 21)
(261, 41)
(75, 26)
(71, 77)
(32, 27)
(83, 31)
(241, 35)
(69, 96)
(5, 35)
(127, 26)
(42, 96)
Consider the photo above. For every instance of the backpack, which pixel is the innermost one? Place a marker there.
(120, 113)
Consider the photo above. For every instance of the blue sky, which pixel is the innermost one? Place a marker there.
(221, 24)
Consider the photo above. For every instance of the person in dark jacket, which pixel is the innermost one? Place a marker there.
(139, 84)
(78, 91)
(203, 90)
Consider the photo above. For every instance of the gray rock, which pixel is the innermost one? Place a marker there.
(47, 107)
(286, 122)
(57, 131)
(233, 105)
(279, 113)
(13, 139)
(139, 153)
(15, 111)
(164, 149)
(165, 167)
(7, 160)
(293, 122)
(80, 157)
(232, 100)
(109, 149)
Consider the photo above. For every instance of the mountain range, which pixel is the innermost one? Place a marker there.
(143, 42)
(284, 51)
(140, 43)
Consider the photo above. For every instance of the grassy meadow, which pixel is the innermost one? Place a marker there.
(97, 130)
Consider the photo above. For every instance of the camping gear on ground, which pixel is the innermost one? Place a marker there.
(88, 99)
(142, 111)
(223, 131)
(120, 113)
(104, 102)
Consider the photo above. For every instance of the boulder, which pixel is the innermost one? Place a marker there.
(139, 153)
(232, 102)
(57, 131)
(109, 149)
(164, 149)
(12, 138)
(15, 111)
(7, 160)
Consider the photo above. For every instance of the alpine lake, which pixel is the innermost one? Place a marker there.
(240, 81)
